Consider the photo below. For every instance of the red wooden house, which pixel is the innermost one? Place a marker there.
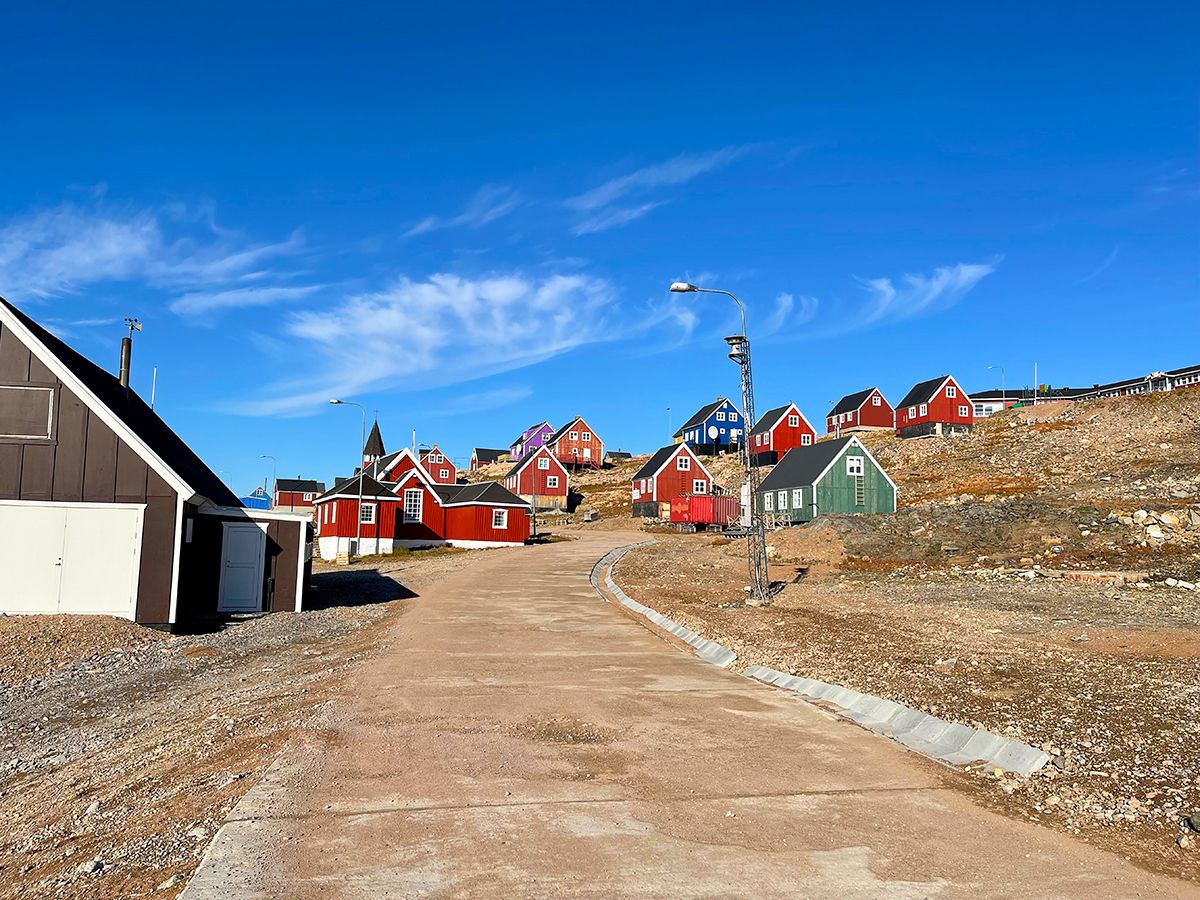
(672, 472)
(337, 515)
(296, 494)
(438, 467)
(938, 406)
(777, 432)
(575, 444)
(862, 411)
(541, 480)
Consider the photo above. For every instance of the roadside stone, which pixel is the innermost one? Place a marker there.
(170, 883)
(92, 867)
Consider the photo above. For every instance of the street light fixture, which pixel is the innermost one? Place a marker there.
(274, 472)
(756, 540)
(362, 469)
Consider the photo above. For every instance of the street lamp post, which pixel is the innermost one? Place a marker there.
(274, 473)
(362, 469)
(756, 541)
(1003, 392)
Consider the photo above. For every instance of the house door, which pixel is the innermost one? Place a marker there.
(69, 558)
(243, 553)
(587, 454)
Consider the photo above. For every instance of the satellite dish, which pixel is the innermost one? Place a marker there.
(712, 432)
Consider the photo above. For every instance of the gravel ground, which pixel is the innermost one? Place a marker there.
(1103, 678)
(122, 749)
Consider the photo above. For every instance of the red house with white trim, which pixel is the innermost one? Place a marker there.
(438, 467)
(540, 480)
(576, 444)
(777, 432)
(862, 411)
(935, 407)
(671, 472)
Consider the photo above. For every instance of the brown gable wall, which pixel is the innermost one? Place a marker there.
(87, 462)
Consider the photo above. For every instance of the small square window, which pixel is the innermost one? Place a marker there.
(964, 411)
(551, 481)
(543, 463)
(806, 440)
(499, 518)
(951, 391)
(854, 465)
(793, 421)
(573, 435)
(876, 401)
(912, 411)
(683, 463)
(699, 486)
(733, 417)
(444, 473)
(585, 436)
(366, 515)
(924, 408)
(308, 496)
(720, 417)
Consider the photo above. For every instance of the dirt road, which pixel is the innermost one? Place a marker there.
(520, 737)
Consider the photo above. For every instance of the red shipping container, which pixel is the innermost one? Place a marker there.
(705, 509)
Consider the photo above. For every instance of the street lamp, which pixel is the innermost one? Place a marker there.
(274, 470)
(756, 541)
(362, 469)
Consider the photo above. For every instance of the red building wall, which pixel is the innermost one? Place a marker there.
(434, 469)
(671, 482)
(474, 523)
(955, 410)
(881, 416)
(531, 476)
(432, 526)
(783, 437)
(572, 451)
(292, 498)
(344, 522)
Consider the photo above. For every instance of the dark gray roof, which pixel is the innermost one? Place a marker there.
(127, 406)
(701, 414)
(768, 420)
(374, 444)
(800, 466)
(487, 455)
(1028, 394)
(349, 487)
(922, 392)
(300, 486)
(654, 463)
(484, 493)
(619, 454)
(554, 437)
(851, 402)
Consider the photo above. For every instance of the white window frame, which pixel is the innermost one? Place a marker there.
(793, 421)
(782, 498)
(699, 486)
(585, 435)
(500, 519)
(924, 409)
(855, 466)
(50, 399)
(410, 493)
(951, 391)
(551, 481)
(573, 435)
(683, 464)
(797, 498)
(912, 411)
(308, 496)
(543, 463)
(733, 417)
(806, 440)
(964, 411)
(876, 400)
(769, 501)
(333, 515)
(443, 473)
(366, 514)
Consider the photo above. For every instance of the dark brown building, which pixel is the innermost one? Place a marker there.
(105, 510)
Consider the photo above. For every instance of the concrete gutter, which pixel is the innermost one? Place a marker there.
(948, 742)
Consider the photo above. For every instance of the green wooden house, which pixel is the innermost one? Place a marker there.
(839, 476)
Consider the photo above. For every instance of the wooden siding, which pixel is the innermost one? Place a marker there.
(532, 480)
(474, 523)
(572, 452)
(87, 462)
(433, 470)
(671, 482)
(940, 409)
(834, 494)
(866, 416)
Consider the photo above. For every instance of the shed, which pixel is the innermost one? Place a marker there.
(105, 510)
(832, 476)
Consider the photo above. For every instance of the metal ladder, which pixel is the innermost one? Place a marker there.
(860, 491)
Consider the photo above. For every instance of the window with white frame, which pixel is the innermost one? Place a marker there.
(912, 411)
(733, 417)
(414, 502)
(979, 409)
(333, 513)
(951, 391)
(28, 412)
(551, 481)
(924, 408)
(543, 463)
(443, 473)
(366, 514)
(683, 463)
(768, 501)
(308, 496)
(782, 497)
(720, 417)
(573, 435)
(797, 498)
(806, 440)
(854, 465)
(876, 401)
(793, 421)
(699, 486)
(585, 436)
(964, 411)
(499, 518)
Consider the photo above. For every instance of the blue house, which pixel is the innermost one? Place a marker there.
(257, 499)
(714, 428)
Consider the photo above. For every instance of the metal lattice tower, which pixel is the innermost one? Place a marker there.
(756, 540)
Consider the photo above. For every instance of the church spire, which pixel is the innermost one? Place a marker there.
(373, 449)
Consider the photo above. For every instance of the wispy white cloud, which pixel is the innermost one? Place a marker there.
(198, 302)
(916, 294)
(447, 329)
(483, 401)
(676, 170)
(488, 205)
(62, 251)
(1100, 269)
(613, 218)
(790, 312)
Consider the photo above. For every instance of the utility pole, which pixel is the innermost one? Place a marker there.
(756, 540)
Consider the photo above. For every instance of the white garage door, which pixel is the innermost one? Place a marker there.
(69, 558)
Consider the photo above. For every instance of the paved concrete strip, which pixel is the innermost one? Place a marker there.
(949, 742)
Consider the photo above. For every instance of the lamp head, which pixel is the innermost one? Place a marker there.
(682, 287)
(335, 402)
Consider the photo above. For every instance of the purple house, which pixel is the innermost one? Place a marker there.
(530, 440)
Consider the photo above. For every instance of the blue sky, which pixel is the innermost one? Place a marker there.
(467, 216)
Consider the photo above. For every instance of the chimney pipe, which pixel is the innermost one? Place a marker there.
(126, 352)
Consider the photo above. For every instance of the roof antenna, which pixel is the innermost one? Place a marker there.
(127, 351)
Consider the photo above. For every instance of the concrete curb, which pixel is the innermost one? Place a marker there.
(707, 650)
(949, 742)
